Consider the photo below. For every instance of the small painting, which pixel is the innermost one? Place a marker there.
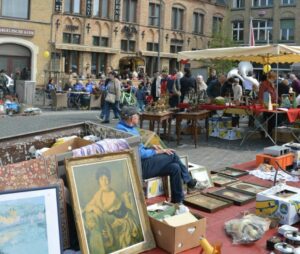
(185, 160)
(206, 203)
(237, 197)
(233, 172)
(247, 187)
(222, 180)
(202, 176)
(29, 222)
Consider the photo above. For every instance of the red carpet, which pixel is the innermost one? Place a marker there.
(215, 222)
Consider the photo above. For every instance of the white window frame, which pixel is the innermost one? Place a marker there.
(239, 30)
(260, 3)
(268, 29)
(289, 2)
(238, 4)
(288, 31)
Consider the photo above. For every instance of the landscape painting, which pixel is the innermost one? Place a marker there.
(26, 224)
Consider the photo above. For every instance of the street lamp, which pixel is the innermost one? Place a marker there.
(159, 28)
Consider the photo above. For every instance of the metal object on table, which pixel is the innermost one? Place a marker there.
(283, 248)
(276, 150)
(292, 237)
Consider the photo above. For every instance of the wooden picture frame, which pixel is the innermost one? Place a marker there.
(238, 198)
(107, 196)
(207, 203)
(247, 187)
(203, 176)
(233, 172)
(29, 221)
(221, 180)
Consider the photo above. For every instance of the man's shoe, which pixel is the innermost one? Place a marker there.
(116, 118)
(105, 121)
(195, 185)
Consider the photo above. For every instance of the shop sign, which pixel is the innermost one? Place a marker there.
(16, 31)
(58, 5)
(71, 28)
(88, 7)
(117, 9)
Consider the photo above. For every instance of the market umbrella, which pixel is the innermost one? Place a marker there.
(265, 54)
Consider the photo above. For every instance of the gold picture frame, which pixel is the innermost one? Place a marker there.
(108, 204)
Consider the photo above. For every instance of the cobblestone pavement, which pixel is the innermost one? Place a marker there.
(214, 154)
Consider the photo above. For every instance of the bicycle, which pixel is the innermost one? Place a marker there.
(128, 98)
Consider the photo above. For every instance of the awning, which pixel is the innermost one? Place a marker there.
(266, 54)
(84, 48)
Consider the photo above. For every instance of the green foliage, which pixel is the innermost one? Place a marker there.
(222, 40)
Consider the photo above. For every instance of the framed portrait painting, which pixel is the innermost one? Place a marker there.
(109, 204)
(29, 221)
(237, 197)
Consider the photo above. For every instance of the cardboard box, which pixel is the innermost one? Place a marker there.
(67, 146)
(282, 202)
(153, 187)
(178, 239)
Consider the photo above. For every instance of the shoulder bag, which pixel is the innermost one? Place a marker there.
(111, 97)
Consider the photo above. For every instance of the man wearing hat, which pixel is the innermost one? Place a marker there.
(157, 161)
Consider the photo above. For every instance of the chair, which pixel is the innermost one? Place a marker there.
(95, 101)
(59, 100)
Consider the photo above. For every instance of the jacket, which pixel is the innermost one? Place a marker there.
(115, 88)
(143, 151)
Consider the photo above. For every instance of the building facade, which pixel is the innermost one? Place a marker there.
(273, 21)
(129, 35)
(58, 37)
(24, 38)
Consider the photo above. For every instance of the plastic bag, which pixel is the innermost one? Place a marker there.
(248, 229)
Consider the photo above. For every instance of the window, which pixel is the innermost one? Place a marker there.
(99, 61)
(237, 4)
(198, 19)
(15, 8)
(262, 30)
(176, 45)
(238, 30)
(288, 2)
(100, 8)
(262, 3)
(154, 11)
(287, 29)
(128, 46)
(217, 25)
(129, 10)
(100, 41)
(177, 18)
(152, 46)
(71, 61)
(71, 38)
(72, 6)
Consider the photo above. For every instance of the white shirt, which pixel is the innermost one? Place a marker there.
(237, 92)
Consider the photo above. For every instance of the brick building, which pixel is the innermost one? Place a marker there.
(92, 34)
(56, 37)
(24, 37)
(273, 21)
